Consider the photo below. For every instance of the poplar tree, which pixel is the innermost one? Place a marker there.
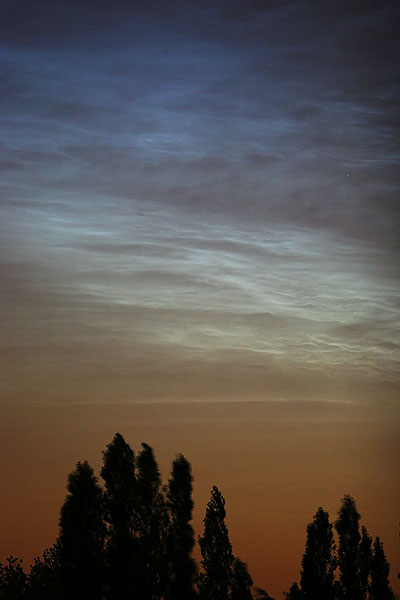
(319, 561)
(151, 527)
(182, 569)
(118, 473)
(380, 588)
(347, 527)
(365, 561)
(216, 551)
(81, 537)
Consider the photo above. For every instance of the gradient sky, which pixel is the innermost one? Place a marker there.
(199, 229)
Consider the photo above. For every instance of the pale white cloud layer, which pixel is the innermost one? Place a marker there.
(154, 285)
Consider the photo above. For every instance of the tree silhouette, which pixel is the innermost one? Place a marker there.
(216, 551)
(182, 569)
(12, 579)
(349, 556)
(260, 594)
(319, 561)
(365, 561)
(151, 527)
(241, 581)
(43, 577)
(81, 538)
(380, 587)
(294, 592)
(135, 542)
(118, 473)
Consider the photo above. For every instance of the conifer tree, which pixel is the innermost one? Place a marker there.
(81, 537)
(319, 561)
(122, 553)
(216, 551)
(380, 588)
(181, 541)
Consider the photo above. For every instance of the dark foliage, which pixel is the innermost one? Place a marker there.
(182, 569)
(294, 592)
(122, 552)
(44, 576)
(151, 521)
(365, 561)
(260, 594)
(380, 587)
(12, 579)
(81, 538)
(216, 551)
(319, 561)
(349, 557)
(241, 581)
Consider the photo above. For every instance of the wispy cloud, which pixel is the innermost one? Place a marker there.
(202, 184)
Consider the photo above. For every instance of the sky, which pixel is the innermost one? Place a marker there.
(199, 239)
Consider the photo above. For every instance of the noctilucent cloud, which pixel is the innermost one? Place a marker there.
(207, 184)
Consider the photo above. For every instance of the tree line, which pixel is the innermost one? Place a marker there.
(132, 539)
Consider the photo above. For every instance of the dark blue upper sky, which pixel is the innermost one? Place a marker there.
(268, 109)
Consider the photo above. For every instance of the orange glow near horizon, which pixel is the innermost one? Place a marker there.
(274, 462)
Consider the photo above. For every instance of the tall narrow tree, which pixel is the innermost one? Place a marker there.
(365, 561)
(118, 473)
(182, 569)
(348, 530)
(151, 527)
(216, 551)
(319, 561)
(380, 588)
(81, 538)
